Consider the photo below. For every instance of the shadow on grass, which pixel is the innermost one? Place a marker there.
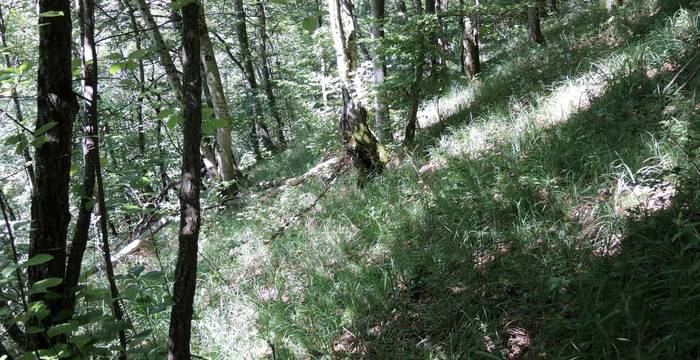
(490, 261)
(508, 79)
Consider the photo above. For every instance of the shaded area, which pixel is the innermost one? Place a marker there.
(523, 252)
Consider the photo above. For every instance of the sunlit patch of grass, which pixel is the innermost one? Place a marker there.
(497, 250)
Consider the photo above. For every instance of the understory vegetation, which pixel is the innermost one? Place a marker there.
(547, 209)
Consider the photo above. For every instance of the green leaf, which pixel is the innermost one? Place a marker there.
(14, 139)
(81, 340)
(22, 68)
(175, 120)
(116, 67)
(6, 272)
(52, 13)
(44, 128)
(37, 260)
(136, 270)
(132, 209)
(153, 276)
(164, 113)
(39, 141)
(34, 330)
(60, 329)
(310, 23)
(42, 285)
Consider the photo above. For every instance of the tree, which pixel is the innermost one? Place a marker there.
(533, 24)
(470, 41)
(190, 212)
(265, 71)
(226, 160)
(414, 89)
(92, 150)
(226, 164)
(57, 107)
(612, 4)
(381, 111)
(357, 138)
(258, 130)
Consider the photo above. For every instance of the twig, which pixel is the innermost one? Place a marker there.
(340, 170)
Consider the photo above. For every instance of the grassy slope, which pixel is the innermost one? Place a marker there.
(546, 228)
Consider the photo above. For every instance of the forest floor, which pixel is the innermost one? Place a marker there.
(548, 211)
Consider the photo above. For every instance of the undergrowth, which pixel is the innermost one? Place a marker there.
(534, 233)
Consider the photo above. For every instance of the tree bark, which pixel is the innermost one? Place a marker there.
(414, 102)
(533, 25)
(141, 77)
(414, 91)
(258, 129)
(163, 51)
(174, 80)
(381, 111)
(190, 212)
(470, 42)
(357, 138)
(265, 71)
(612, 4)
(56, 108)
(93, 174)
(226, 161)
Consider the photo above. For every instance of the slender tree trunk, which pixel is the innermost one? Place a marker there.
(401, 10)
(414, 92)
(414, 102)
(612, 4)
(359, 141)
(258, 128)
(173, 78)
(142, 77)
(163, 51)
(18, 107)
(190, 217)
(533, 25)
(90, 93)
(381, 111)
(57, 107)
(226, 160)
(265, 70)
(470, 43)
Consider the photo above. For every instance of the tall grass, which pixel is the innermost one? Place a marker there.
(558, 222)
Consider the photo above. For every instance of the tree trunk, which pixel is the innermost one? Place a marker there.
(173, 78)
(15, 100)
(56, 110)
(533, 25)
(612, 4)
(414, 102)
(142, 78)
(414, 91)
(357, 138)
(401, 10)
(90, 93)
(470, 43)
(190, 212)
(266, 77)
(93, 174)
(381, 111)
(163, 51)
(258, 128)
(226, 161)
